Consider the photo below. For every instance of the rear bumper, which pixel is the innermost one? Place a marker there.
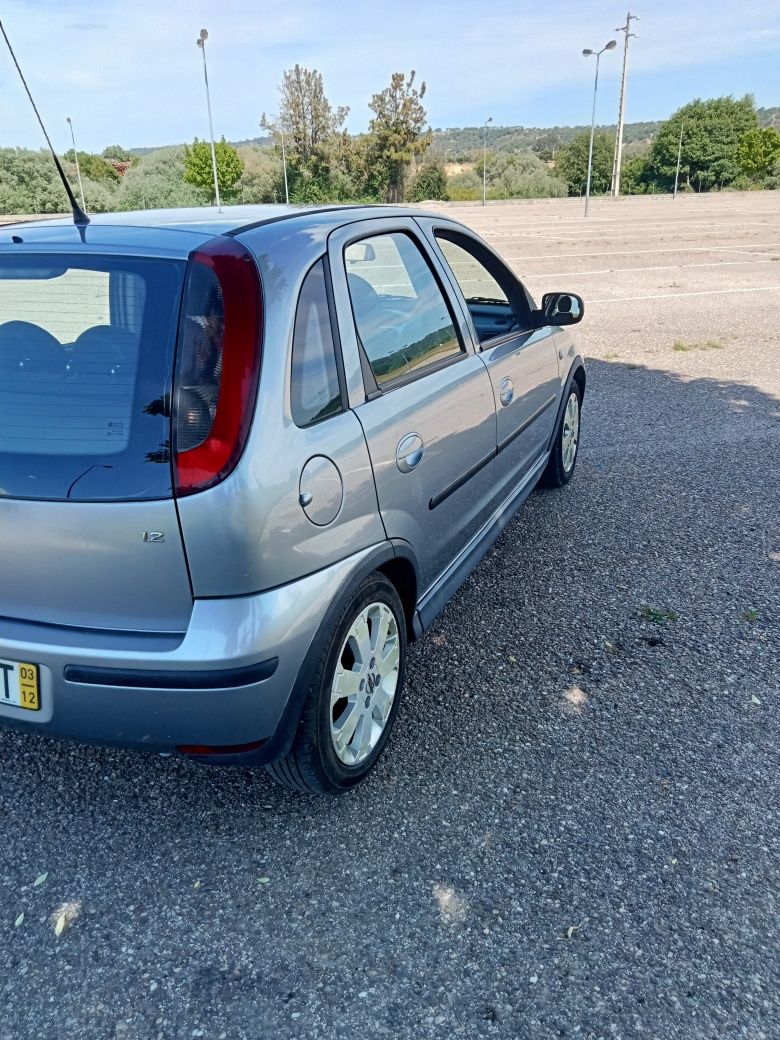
(224, 683)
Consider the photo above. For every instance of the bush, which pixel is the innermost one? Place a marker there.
(465, 187)
(430, 182)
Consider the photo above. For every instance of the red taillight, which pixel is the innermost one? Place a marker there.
(217, 366)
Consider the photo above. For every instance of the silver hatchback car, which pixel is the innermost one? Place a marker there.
(245, 457)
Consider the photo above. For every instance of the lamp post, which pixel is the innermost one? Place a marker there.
(201, 42)
(484, 159)
(284, 166)
(69, 121)
(679, 157)
(589, 53)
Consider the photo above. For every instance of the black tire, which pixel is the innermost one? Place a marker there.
(312, 765)
(556, 474)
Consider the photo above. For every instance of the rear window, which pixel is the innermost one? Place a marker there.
(86, 361)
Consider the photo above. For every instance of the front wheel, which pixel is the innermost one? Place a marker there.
(563, 457)
(353, 698)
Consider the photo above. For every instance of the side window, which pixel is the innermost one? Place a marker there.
(402, 318)
(314, 382)
(495, 299)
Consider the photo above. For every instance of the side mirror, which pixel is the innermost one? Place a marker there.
(559, 309)
(361, 252)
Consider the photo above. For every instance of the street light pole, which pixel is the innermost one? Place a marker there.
(201, 42)
(626, 30)
(679, 157)
(484, 159)
(284, 165)
(588, 53)
(76, 157)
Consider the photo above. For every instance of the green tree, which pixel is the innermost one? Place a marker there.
(430, 181)
(571, 163)
(313, 132)
(711, 133)
(262, 179)
(521, 175)
(758, 151)
(157, 182)
(94, 167)
(398, 133)
(634, 176)
(116, 153)
(198, 169)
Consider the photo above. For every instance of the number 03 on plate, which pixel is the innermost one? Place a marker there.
(19, 685)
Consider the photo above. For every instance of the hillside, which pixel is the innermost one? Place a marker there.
(457, 143)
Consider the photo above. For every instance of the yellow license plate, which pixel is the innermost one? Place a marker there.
(19, 686)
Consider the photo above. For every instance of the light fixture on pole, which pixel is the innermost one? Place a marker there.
(484, 159)
(201, 42)
(76, 157)
(587, 53)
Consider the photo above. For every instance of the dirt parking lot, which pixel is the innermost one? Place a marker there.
(576, 831)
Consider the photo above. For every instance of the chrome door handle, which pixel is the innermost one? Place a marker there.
(506, 391)
(409, 453)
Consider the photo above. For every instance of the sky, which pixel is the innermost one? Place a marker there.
(130, 73)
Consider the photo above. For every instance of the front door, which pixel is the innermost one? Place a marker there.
(427, 405)
(523, 363)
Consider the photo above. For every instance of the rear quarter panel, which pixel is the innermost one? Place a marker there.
(250, 532)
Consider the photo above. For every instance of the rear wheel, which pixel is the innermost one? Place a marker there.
(563, 458)
(353, 697)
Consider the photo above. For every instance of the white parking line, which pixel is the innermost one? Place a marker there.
(667, 296)
(639, 252)
(634, 270)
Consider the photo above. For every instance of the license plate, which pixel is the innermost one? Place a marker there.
(19, 685)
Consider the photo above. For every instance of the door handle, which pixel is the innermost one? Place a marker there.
(506, 391)
(409, 453)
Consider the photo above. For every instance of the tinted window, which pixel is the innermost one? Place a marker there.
(314, 381)
(496, 300)
(402, 318)
(86, 353)
(474, 279)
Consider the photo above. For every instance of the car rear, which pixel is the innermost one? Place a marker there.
(128, 371)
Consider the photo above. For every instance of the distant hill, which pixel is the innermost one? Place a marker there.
(458, 143)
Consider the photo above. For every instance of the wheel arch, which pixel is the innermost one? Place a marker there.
(576, 375)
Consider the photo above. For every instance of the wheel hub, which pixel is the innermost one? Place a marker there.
(364, 683)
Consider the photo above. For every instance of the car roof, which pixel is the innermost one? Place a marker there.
(229, 220)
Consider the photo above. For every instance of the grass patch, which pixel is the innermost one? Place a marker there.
(706, 344)
(611, 357)
(750, 615)
(658, 617)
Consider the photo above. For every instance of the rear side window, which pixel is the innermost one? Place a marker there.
(86, 355)
(402, 318)
(315, 393)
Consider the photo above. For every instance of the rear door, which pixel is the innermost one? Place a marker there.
(426, 404)
(89, 534)
(522, 362)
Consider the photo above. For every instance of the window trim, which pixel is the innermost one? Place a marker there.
(335, 337)
(372, 388)
(453, 234)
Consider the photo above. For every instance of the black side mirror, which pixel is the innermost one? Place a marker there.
(559, 309)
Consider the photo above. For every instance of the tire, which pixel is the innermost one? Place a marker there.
(563, 458)
(323, 758)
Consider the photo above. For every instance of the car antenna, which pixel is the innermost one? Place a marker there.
(80, 218)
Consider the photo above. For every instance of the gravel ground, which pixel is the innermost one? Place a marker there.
(576, 830)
